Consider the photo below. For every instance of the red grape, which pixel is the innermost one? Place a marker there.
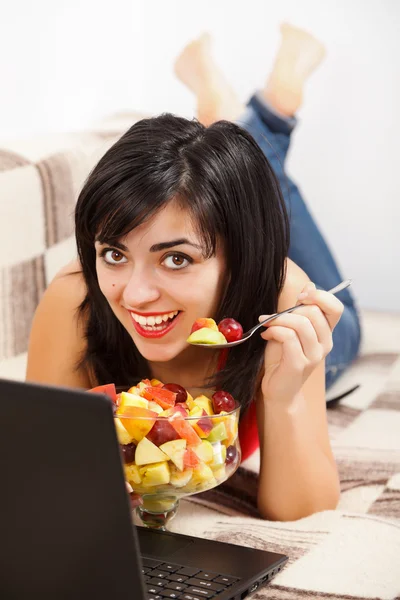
(161, 432)
(231, 329)
(181, 393)
(231, 455)
(128, 452)
(223, 401)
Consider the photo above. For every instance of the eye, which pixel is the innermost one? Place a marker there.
(176, 261)
(113, 257)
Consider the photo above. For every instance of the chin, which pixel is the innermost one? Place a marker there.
(159, 352)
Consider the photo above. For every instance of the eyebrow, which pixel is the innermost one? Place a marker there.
(156, 247)
(172, 244)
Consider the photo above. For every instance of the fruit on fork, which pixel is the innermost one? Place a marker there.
(206, 331)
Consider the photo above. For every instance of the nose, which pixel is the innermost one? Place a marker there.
(140, 290)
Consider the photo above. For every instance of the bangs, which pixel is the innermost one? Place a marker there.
(119, 214)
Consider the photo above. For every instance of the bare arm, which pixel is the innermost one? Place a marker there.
(57, 341)
(298, 474)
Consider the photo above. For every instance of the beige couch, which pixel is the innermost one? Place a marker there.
(352, 552)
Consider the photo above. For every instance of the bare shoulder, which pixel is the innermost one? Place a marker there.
(57, 341)
(295, 281)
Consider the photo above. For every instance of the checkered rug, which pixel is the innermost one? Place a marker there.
(352, 552)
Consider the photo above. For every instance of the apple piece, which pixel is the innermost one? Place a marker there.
(204, 425)
(156, 407)
(180, 479)
(204, 451)
(137, 421)
(147, 452)
(205, 403)
(175, 450)
(132, 474)
(178, 408)
(204, 322)
(124, 437)
(127, 399)
(218, 433)
(165, 398)
(231, 425)
(156, 474)
(190, 459)
(206, 336)
(184, 429)
(108, 389)
(162, 432)
(219, 455)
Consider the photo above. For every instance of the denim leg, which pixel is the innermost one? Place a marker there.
(308, 249)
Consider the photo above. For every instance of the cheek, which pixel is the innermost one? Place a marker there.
(109, 284)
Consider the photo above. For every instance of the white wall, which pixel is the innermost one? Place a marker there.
(65, 64)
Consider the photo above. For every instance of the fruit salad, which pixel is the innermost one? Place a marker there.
(206, 331)
(172, 442)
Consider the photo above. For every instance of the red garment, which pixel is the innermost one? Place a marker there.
(248, 432)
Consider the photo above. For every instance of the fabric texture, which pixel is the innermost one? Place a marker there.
(40, 179)
(349, 553)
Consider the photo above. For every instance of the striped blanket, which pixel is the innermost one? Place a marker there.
(352, 552)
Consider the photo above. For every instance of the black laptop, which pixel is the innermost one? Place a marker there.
(65, 519)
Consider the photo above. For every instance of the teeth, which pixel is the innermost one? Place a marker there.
(152, 321)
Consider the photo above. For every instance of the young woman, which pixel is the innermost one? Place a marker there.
(178, 221)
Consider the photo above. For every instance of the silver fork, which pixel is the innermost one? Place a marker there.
(338, 288)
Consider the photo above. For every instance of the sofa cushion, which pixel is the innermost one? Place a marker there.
(40, 180)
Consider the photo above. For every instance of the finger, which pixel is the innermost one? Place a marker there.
(309, 287)
(136, 500)
(320, 325)
(328, 303)
(304, 330)
(292, 351)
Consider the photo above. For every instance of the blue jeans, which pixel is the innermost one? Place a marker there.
(308, 249)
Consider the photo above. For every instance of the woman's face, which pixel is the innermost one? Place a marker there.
(158, 282)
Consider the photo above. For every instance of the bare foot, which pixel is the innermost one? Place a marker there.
(299, 54)
(196, 68)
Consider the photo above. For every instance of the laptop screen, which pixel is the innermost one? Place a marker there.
(64, 514)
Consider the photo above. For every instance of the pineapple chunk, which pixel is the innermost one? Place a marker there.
(123, 436)
(202, 474)
(132, 474)
(204, 402)
(156, 474)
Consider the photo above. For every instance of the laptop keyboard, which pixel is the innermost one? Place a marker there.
(166, 580)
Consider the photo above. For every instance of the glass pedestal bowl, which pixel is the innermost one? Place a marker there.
(175, 452)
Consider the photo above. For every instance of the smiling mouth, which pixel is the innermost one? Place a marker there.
(155, 323)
